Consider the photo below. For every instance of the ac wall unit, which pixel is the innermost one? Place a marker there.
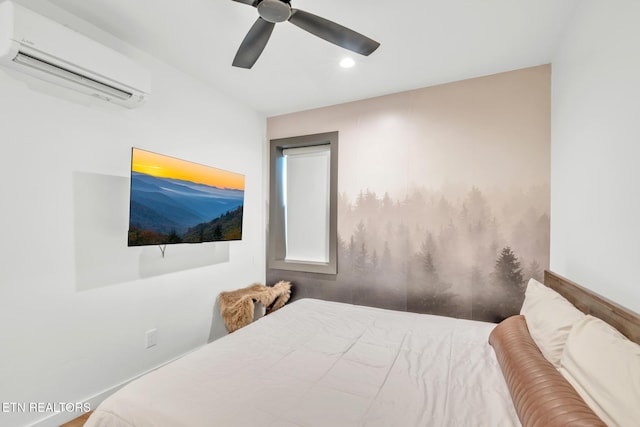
(38, 46)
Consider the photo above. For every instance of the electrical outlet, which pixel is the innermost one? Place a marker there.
(151, 338)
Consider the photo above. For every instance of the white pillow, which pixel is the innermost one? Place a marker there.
(604, 368)
(549, 318)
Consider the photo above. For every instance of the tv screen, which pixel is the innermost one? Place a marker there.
(176, 201)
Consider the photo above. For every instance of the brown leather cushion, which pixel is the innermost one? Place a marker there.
(541, 395)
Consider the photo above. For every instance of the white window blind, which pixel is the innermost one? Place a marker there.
(306, 203)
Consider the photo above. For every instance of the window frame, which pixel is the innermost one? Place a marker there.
(276, 251)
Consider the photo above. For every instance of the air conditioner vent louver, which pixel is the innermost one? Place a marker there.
(46, 67)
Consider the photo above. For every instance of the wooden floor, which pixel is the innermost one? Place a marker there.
(78, 422)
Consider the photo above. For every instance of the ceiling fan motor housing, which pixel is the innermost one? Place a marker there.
(274, 10)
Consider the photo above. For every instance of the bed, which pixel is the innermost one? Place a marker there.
(319, 363)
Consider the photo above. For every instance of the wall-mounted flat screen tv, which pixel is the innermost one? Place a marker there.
(176, 201)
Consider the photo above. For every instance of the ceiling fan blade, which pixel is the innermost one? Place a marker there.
(249, 2)
(253, 44)
(332, 32)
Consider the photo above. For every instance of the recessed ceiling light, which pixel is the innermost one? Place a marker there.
(347, 63)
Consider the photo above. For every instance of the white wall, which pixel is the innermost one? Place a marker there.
(595, 151)
(61, 342)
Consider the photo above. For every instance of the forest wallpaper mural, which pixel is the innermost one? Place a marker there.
(444, 196)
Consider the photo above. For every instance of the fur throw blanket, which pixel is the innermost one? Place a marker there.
(237, 307)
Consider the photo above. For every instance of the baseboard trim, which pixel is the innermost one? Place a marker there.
(55, 420)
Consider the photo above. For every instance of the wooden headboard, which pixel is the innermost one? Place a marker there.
(623, 319)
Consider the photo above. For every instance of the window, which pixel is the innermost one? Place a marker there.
(303, 203)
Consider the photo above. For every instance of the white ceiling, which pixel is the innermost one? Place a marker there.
(423, 42)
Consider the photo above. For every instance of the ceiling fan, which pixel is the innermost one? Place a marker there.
(274, 11)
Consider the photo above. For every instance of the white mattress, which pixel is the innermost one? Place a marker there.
(318, 363)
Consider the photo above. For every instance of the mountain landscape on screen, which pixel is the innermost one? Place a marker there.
(177, 203)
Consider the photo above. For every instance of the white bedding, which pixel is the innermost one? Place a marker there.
(318, 363)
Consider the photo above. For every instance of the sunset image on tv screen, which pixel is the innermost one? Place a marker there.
(176, 201)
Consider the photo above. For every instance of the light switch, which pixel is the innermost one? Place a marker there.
(151, 338)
